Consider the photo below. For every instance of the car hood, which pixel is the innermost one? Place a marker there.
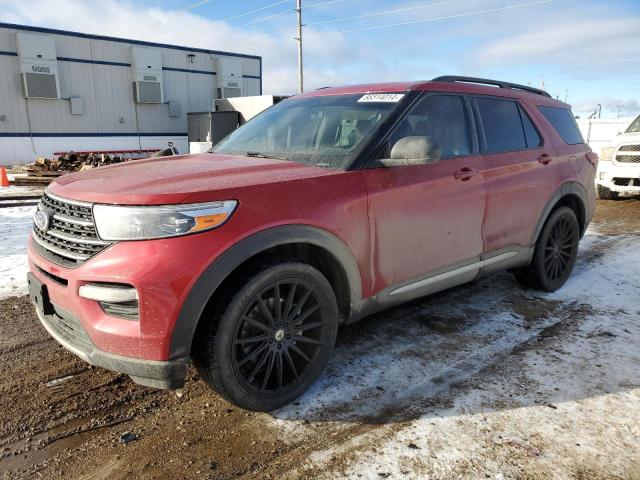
(627, 138)
(178, 179)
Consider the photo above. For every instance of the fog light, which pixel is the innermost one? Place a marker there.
(601, 175)
(116, 299)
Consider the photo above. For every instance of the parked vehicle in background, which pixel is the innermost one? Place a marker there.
(619, 169)
(323, 209)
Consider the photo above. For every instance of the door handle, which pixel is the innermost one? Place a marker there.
(545, 159)
(465, 173)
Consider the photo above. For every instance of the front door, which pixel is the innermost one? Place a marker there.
(426, 218)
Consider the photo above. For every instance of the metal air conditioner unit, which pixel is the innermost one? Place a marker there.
(38, 65)
(147, 75)
(229, 75)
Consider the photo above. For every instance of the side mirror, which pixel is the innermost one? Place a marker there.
(413, 151)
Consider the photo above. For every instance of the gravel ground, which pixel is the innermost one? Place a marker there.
(484, 381)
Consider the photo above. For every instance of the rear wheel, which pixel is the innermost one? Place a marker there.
(605, 193)
(555, 252)
(274, 338)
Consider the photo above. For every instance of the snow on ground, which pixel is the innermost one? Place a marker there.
(15, 225)
(486, 380)
(501, 382)
(18, 190)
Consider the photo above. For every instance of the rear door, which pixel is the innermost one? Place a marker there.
(427, 217)
(519, 171)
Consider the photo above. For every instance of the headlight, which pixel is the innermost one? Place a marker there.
(116, 222)
(606, 153)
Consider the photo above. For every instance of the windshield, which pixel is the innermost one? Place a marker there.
(635, 126)
(326, 131)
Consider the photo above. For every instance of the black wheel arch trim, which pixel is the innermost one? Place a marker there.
(568, 188)
(213, 276)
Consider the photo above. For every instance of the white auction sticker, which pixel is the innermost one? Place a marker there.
(382, 97)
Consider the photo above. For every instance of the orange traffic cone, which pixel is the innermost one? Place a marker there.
(4, 180)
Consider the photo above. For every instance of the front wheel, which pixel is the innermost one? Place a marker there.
(555, 252)
(274, 338)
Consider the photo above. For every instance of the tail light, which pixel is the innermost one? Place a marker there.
(593, 158)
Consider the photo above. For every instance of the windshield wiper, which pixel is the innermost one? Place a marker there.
(265, 155)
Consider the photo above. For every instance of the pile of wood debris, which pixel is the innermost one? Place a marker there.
(71, 162)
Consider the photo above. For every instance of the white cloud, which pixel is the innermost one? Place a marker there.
(577, 44)
(116, 18)
(626, 107)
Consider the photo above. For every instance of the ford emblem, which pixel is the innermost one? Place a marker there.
(41, 219)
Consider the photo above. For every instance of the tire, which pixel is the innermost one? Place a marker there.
(605, 193)
(264, 354)
(555, 253)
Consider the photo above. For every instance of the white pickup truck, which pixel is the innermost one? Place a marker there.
(619, 167)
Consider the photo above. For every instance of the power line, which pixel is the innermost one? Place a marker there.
(413, 22)
(189, 7)
(170, 12)
(322, 3)
(244, 14)
(447, 17)
(253, 11)
(374, 14)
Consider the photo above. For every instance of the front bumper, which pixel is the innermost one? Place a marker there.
(67, 330)
(619, 177)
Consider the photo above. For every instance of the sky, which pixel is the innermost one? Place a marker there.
(585, 51)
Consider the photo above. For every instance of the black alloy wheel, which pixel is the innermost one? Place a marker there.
(273, 339)
(559, 250)
(555, 252)
(279, 336)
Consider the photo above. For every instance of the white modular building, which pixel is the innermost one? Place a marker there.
(62, 91)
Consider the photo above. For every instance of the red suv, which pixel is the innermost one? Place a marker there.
(325, 208)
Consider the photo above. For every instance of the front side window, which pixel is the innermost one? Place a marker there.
(635, 126)
(564, 123)
(502, 125)
(442, 121)
(325, 131)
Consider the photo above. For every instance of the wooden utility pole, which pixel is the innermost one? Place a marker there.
(299, 39)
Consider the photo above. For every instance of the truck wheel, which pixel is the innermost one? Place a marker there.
(555, 253)
(274, 338)
(605, 193)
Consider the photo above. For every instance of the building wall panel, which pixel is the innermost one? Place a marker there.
(98, 70)
(12, 104)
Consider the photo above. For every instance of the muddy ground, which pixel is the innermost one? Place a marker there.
(484, 381)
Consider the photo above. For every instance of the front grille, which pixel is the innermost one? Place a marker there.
(629, 148)
(71, 237)
(628, 158)
(631, 154)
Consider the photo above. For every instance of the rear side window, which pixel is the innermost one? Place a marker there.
(531, 134)
(502, 125)
(564, 123)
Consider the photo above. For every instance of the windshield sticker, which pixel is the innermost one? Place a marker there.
(381, 97)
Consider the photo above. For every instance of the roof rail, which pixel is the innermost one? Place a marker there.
(485, 81)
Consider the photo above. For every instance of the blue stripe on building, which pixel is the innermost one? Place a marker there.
(54, 31)
(89, 134)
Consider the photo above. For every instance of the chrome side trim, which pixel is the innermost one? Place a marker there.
(105, 293)
(452, 273)
(57, 250)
